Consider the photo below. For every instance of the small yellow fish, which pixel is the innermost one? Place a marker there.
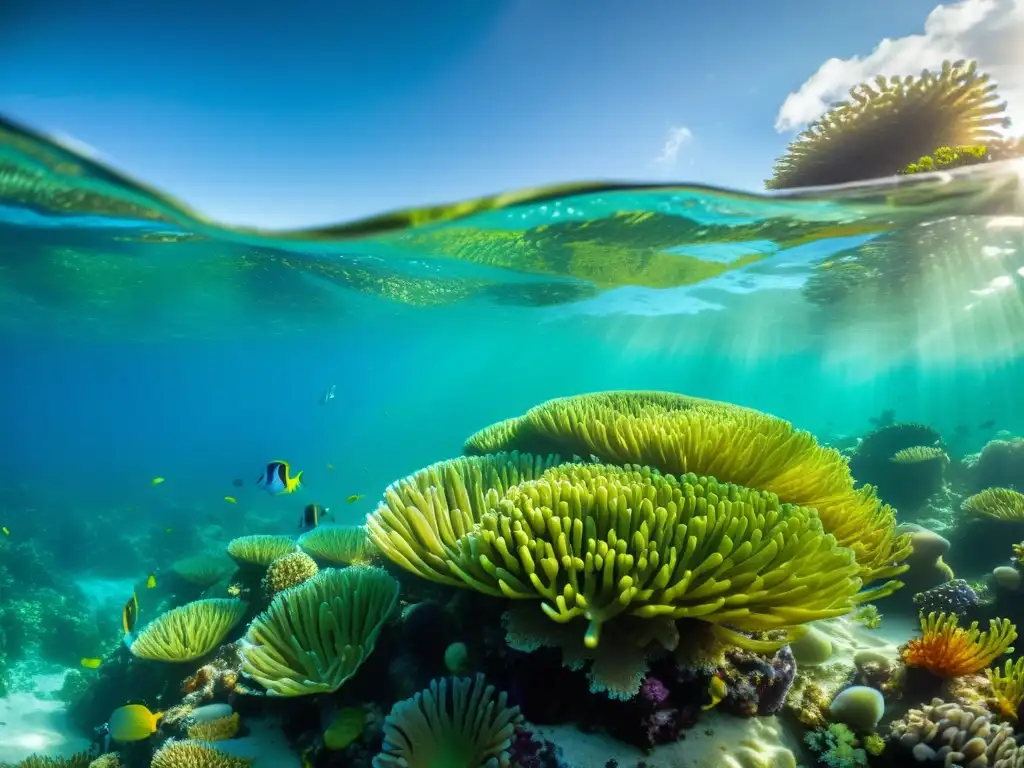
(354, 498)
(235, 590)
(133, 722)
(151, 581)
(330, 466)
(91, 663)
(230, 499)
(716, 690)
(156, 481)
(168, 529)
(6, 530)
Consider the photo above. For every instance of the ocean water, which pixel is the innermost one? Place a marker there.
(139, 340)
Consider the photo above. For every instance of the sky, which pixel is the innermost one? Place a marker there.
(318, 111)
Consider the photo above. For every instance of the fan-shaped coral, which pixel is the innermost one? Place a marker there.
(288, 571)
(887, 124)
(260, 550)
(313, 637)
(594, 541)
(188, 632)
(338, 544)
(203, 570)
(678, 434)
(1001, 504)
(946, 650)
(424, 515)
(195, 754)
(1008, 687)
(466, 728)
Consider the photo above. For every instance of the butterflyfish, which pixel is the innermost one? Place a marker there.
(133, 722)
(717, 691)
(151, 581)
(354, 498)
(311, 515)
(277, 478)
(91, 663)
(129, 615)
(230, 499)
(156, 481)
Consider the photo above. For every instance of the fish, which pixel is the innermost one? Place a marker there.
(237, 482)
(168, 529)
(130, 615)
(354, 498)
(330, 466)
(151, 581)
(987, 424)
(91, 663)
(716, 690)
(311, 515)
(156, 481)
(6, 530)
(277, 479)
(133, 722)
(230, 499)
(329, 394)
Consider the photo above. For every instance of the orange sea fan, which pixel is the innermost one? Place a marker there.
(946, 650)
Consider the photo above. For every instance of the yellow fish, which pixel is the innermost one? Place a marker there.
(151, 581)
(354, 498)
(168, 529)
(717, 691)
(6, 530)
(156, 481)
(133, 722)
(330, 466)
(91, 663)
(230, 499)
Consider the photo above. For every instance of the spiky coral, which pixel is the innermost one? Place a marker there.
(80, 760)
(338, 544)
(288, 571)
(678, 434)
(189, 632)
(218, 729)
(314, 637)
(195, 754)
(887, 124)
(1003, 504)
(468, 728)
(260, 550)
(947, 650)
(1008, 687)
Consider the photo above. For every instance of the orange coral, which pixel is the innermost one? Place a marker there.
(946, 650)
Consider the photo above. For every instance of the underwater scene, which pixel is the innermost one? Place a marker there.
(581, 476)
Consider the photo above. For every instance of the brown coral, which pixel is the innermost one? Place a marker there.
(287, 571)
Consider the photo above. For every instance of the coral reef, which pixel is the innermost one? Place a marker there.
(954, 734)
(1001, 504)
(947, 650)
(338, 544)
(260, 550)
(999, 465)
(288, 571)
(905, 463)
(190, 631)
(195, 754)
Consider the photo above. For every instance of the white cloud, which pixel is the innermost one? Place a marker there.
(988, 31)
(678, 135)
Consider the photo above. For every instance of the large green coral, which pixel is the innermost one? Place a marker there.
(892, 122)
(678, 434)
(596, 541)
(314, 636)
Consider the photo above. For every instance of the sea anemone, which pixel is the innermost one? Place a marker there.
(338, 544)
(260, 550)
(1008, 687)
(946, 650)
(194, 754)
(189, 632)
(1003, 504)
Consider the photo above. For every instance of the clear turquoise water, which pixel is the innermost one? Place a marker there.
(139, 340)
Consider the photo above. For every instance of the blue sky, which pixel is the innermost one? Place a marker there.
(317, 111)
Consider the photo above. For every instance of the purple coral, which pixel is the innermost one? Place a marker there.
(654, 691)
(758, 684)
(530, 751)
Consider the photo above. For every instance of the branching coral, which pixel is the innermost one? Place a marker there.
(1001, 504)
(338, 544)
(314, 637)
(887, 124)
(189, 632)
(1008, 687)
(679, 434)
(455, 722)
(260, 550)
(195, 754)
(946, 650)
(288, 571)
